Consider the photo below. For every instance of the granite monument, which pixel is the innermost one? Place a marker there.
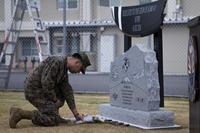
(134, 91)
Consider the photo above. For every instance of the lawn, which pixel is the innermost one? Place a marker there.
(86, 103)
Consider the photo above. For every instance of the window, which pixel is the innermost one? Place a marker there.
(70, 4)
(144, 2)
(109, 3)
(93, 42)
(74, 42)
(29, 47)
(104, 2)
(59, 46)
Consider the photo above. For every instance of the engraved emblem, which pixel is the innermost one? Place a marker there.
(115, 96)
(126, 64)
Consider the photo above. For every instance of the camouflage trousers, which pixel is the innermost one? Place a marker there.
(47, 114)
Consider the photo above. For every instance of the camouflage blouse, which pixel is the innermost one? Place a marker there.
(49, 80)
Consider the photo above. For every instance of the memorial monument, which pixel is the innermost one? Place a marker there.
(134, 80)
(134, 91)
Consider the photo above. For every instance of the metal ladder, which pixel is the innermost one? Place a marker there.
(12, 35)
(38, 29)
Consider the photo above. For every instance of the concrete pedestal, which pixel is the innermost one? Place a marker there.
(137, 118)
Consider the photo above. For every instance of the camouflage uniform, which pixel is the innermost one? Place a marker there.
(47, 81)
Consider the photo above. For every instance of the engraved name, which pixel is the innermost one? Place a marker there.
(139, 10)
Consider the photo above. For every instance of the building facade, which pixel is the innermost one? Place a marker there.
(90, 28)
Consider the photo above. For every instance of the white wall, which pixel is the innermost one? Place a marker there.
(175, 42)
(86, 10)
(2, 10)
(171, 8)
(191, 7)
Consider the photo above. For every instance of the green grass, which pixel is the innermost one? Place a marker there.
(86, 104)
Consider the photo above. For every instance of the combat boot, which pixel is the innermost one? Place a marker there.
(16, 114)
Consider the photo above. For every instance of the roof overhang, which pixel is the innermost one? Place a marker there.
(80, 23)
(182, 20)
(99, 23)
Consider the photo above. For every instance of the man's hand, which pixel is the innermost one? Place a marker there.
(78, 117)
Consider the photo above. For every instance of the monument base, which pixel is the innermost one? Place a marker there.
(142, 119)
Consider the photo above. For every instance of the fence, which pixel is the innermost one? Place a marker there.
(90, 28)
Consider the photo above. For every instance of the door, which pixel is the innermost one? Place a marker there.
(107, 43)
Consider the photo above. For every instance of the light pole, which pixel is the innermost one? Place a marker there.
(65, 46)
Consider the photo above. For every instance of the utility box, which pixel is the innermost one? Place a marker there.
(194, 75)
